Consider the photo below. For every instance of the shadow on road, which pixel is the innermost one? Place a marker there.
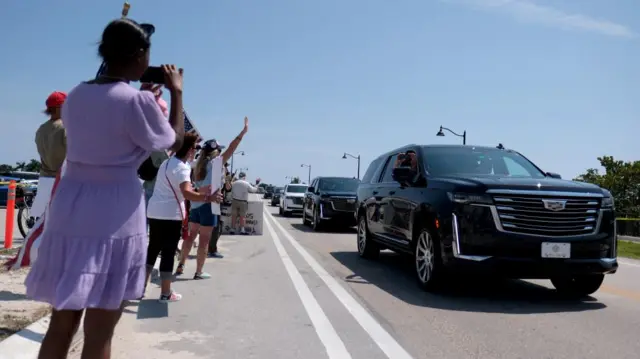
(6, 296)
(328, 229)
(394, 274)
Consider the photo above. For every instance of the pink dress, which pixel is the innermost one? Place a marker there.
(93, 251)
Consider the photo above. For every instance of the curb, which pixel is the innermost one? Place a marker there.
(25, 344)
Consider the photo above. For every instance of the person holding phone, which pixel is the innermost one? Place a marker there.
(209, 171)
(167, 211)
(92, 256)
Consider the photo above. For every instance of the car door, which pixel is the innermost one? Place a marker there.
(309, 199)
(387, 214)
(405, 200)
(283, 195)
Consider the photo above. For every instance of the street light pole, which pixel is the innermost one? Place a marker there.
(241, 153)
(309, 166)
(354, 157)
(463, 135)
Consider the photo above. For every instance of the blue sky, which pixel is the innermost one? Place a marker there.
(555, 79)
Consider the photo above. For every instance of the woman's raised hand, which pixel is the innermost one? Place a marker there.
(172, 77)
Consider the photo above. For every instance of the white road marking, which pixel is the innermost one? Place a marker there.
(327, 334)
(378, 334)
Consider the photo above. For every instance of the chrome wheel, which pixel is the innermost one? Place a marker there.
(362, 236)
(424, 257)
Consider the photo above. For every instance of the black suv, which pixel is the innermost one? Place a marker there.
(486, 208)
(330, 199)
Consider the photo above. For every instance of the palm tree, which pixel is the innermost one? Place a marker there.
(19, 166)
(33, 166)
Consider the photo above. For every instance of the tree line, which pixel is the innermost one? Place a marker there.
(622, 179)
(32, 166)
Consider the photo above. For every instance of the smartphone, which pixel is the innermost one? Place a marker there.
(153, 75)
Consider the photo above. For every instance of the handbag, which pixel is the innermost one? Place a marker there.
(147, 170)
(185, 218)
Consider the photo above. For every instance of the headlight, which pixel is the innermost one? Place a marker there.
(465, 198)
(607, 202)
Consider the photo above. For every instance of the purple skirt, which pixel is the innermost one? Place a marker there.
(93, 249)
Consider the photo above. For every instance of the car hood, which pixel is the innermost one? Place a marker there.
(519, 183)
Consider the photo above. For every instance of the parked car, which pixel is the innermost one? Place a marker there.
(275, 199)
(330, 200)
(292, 198)
(457, 207)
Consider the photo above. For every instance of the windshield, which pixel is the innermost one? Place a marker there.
(278, 190)
(469, 160)
(338, 184)
(296, 189)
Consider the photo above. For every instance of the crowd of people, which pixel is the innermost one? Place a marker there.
(104, 230)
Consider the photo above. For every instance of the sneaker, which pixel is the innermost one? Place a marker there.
(202, 275)
(173, 297)
(232, 232)
(216, 255)
(244, 233)
(180, 269)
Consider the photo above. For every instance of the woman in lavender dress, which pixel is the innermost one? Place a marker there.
(92, 256)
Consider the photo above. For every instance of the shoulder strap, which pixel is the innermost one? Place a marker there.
(175, 195)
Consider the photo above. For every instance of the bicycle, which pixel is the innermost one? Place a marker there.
(24, 201)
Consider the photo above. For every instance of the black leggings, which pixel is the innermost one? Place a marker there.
(164, 236)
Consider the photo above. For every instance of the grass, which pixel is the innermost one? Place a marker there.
(629, 249)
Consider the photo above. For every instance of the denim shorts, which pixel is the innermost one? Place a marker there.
(202, 215)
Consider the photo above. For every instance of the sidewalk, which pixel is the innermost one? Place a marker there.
(248, 309)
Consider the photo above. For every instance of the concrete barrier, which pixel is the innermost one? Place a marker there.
(254, 219)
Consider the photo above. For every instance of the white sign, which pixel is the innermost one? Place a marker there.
(556, 250)
(253, 222)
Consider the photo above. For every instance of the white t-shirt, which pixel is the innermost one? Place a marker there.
(163, 203)
(240, 190)
(217, 180)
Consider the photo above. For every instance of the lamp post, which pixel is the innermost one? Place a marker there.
(309, 166)
(241, 153)
(463, 135)
(344, 157)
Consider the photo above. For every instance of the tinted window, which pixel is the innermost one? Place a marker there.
(388, 170)
(469, 160)
(338, 184)
(373, 167)
(296, 189)
(278, 190)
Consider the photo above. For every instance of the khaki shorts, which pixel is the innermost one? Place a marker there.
(239, 208)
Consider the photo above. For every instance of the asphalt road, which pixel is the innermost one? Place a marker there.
(293, 294)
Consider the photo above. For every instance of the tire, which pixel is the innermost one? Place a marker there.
(24, 225)
(317, 224)
(367, 248)
(280, 212)
(427, 260)
(21, 224)
(578, 286)
(305, 221)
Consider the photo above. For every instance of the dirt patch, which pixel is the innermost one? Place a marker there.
(17, 311)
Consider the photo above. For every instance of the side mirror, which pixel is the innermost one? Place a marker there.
(403, 174)
(554, 175)
(310, 189)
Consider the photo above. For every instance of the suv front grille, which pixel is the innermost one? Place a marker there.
(528, 214)
(343, 204)
(296, 200)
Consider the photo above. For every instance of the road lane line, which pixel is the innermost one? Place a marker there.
(384, 340)
(327, 334)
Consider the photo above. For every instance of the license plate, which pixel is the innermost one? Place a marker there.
(351, 200)
(556, 250)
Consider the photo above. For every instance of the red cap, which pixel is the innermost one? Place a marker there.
(56, 99)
